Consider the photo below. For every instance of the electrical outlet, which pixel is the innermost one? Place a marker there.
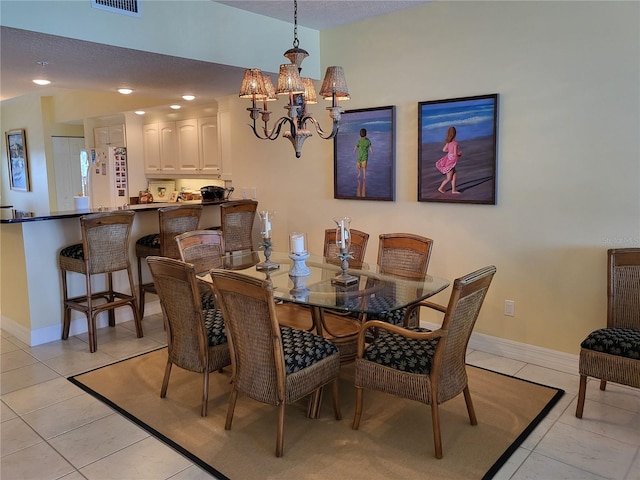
(255, 192)
(245, 192)
(510, 308)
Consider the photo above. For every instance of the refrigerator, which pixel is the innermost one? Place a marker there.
(108, 178)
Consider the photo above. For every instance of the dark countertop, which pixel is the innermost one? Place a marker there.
(11, 215)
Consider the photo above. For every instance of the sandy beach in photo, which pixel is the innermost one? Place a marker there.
(475, 168)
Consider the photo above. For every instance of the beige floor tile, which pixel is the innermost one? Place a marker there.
(147, 459)
(620, 396)
(39, 462)
(64, 416)
(96, 440)
(16, 435)
(592, 452)
(108, 334)
(489, 361)
(192, 473)
(71, 363)
(25, 377)
(50, 350)
(15, 341)
(7, 346)
(544, 468)
(73, 476)
(634, 471)
(605, 420)
(6, 413)
(127, 347)
(15, 359)
(42, 395)
(554, 378)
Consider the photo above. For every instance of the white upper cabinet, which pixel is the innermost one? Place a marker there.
(208, 135)
(111, 136)
(168, 146)
(188, 151)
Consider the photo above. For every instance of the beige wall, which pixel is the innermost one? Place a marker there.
(568, 150)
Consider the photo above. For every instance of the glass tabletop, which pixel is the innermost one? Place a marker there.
(373, 292)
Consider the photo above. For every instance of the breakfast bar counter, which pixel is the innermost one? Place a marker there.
(30, 281)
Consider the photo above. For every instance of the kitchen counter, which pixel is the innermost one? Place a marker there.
(11, 215)
(30, 243)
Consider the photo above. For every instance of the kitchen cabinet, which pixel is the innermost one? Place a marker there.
(208, 145)
(198, 145)
(111, 136)
(160, 147)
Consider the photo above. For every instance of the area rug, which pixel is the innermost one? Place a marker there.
(394, 440)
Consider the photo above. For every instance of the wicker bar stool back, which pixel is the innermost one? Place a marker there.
(426, 366)
(271, 364)
(204, 249)
(104, 250)
(196, 338)
(173, 221)
(237, 224)
(612, 354)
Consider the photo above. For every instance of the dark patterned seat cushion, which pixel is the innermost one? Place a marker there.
(401, 353)
(151, 241)
(73, 251)
(382, 304)
(214, 326)
(207, 299)
(302, 349)
(624, 342)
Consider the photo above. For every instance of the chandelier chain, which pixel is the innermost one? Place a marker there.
(296, 42)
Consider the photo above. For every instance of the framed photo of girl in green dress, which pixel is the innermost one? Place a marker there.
(18, 160)
(364, 155)
(457, 150)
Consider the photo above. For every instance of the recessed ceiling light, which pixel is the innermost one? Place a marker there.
(125, 91)
(41, 81)
(188, 97)
(175, 107)
(139, 112)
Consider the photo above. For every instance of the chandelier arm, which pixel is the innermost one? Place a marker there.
(275, 131)
(321, 133)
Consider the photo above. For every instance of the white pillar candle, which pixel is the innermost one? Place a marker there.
(343, 243)
(297, 243)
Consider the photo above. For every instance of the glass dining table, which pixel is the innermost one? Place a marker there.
(373, 291)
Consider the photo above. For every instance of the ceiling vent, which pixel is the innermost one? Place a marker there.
(125, 7)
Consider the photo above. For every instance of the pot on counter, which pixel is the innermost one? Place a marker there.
(212, 192)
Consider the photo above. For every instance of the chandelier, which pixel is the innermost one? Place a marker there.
(300, 92)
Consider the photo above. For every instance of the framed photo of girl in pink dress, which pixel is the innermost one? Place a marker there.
(457, 150)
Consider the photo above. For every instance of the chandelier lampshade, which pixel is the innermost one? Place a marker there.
(300, 91)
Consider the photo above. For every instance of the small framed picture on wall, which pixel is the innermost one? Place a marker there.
(18, 160)
(457, 150)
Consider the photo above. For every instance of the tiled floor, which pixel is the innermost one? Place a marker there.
(53, 430)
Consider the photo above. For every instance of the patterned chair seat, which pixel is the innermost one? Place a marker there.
(302, 349)
(401, 353)
(394, 317)
(623, 342)
(150, 241)
(214, 325)
(73, 251)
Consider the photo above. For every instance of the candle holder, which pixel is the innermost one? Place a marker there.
(267, 264)
(265, 231)
(343, 240)
(300, 292)
(298, 253)
(345, 278)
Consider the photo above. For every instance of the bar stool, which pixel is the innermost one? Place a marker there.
(237, 224)
(173, 220)
(104, 249)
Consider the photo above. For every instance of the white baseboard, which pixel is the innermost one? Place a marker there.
(78, 325)
(544, 357)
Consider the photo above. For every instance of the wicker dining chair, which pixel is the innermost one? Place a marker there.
(612, 354)
(173, 221)
(204, 249)
(357, 249)
(237, 224)
(415, 363)
(271, 364)
(404, 255)
(104, 250)
(196, 338)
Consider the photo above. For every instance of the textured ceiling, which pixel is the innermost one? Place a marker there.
(81, 65)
